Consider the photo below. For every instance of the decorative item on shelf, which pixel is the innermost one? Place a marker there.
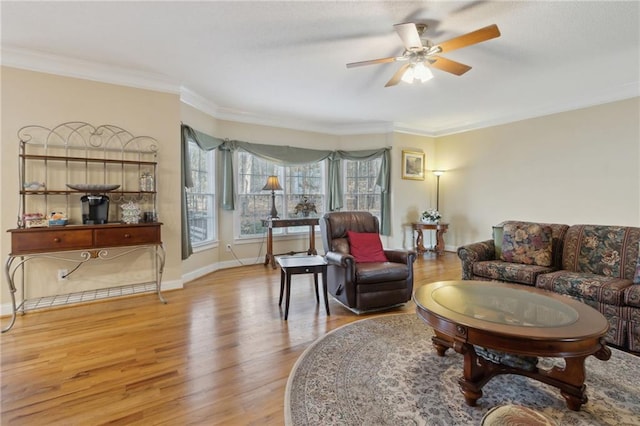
(273, 185)
(130, 212)
(147, 183)
(149, 217)
(57, 219)
(305, 207)
(93, 188)
(34, 220)
(430, 216)
(34, 186)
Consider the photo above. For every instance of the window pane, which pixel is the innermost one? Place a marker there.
(299, 183)
(361, 191)
(201, 197)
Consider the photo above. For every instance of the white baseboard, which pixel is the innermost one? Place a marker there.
(171, 285)
(193, 275)
(6, 308)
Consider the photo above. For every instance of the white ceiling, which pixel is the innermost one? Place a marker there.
(283, 63)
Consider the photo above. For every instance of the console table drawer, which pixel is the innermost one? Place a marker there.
(44, 241)
(127, 236)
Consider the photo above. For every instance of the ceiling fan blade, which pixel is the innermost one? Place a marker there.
(397, 76)
(409, 35)
(478, 36)
(372, 62)
(448, 65)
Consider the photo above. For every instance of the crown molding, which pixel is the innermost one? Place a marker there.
(193, 99)
(86, 70)
(605, 96)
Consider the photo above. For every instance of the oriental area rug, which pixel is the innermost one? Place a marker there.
(385, 371)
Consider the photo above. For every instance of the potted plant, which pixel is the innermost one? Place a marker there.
(430, 216)
(305, 207)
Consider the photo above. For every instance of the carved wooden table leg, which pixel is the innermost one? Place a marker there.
(420, 248)
(439, 241)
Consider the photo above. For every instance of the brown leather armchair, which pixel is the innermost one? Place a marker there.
(364, 286)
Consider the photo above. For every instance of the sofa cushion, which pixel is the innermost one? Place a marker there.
(366, 247)
(558, 231)
(527, 243)
(584, 286)
(611, 251)
(506, 271)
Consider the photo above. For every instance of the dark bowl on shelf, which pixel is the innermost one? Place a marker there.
(88, 187)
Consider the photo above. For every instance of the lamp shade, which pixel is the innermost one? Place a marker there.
(272, 184)
(438, 172)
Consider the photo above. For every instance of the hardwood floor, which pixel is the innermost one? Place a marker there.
(218, 353)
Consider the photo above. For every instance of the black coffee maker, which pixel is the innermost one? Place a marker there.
(95, 209)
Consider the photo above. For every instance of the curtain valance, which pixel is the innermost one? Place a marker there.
(284, 156)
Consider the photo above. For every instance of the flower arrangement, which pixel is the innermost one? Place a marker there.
(430, 215)
(305, 207)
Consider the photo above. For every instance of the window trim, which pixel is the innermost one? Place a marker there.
(211, 179)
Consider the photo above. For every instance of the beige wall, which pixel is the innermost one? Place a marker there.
(575, 167)
(30, 98)
(410, 197)
(580, 166)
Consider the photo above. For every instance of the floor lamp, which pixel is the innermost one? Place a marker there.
(273, 185)
(438, 173)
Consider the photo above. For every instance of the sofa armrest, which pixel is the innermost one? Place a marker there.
(476, 252)
(401, 256)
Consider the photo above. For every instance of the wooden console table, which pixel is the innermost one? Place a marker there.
(90, 242)
(440, 229)
(311, 222)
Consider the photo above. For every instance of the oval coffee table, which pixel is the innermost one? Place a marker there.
(501, 328)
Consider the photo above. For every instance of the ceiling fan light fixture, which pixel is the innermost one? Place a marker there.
(417, 71)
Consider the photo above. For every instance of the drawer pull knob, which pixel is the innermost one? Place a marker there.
(127, 235)
(56, 240)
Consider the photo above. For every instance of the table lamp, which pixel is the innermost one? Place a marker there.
(273, 185)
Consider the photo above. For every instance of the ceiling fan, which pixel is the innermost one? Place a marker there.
(420, 53)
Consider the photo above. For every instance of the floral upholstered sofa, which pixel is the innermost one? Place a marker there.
(595, 264)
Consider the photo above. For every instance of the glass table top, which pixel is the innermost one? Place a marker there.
(504, 305)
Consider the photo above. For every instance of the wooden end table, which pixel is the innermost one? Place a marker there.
(440, 229)
(291, 265)
(516, 321)
(311, 222)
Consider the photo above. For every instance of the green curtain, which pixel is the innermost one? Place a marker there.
(227, 186)
(335, 198)
(206, 143)
(282, 155)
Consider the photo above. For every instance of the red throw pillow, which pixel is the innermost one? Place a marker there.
(366, 247)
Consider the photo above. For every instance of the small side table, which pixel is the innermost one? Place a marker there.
(290, 265)
(311, 222)
(440, 229)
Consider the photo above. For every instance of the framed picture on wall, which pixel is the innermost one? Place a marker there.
(413, 165)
